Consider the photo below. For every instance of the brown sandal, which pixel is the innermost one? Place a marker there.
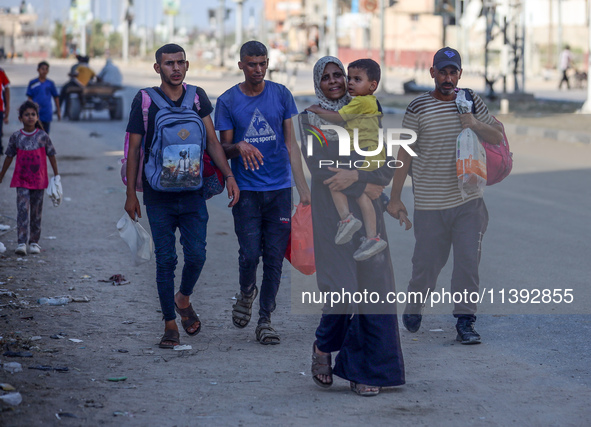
(191, 318)
(170, 335)
(364, 389)
(321, 365)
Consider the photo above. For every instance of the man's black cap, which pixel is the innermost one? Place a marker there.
(447, 56)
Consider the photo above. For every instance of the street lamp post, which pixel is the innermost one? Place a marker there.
(587, 105)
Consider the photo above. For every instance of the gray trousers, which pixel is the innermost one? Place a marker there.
(436, 232)
(29, 205)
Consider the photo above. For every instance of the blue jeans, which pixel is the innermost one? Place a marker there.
(436, 231)
(262, 221)
(189, 215)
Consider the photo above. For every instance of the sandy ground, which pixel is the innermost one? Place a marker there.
(525, 372)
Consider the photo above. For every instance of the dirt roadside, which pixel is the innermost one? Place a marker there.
(227, 378)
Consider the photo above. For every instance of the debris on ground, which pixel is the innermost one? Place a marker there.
(117, 280)
(50, 368)
(182, 347)
(54, 300)
(11, 399)
(12, 367)
(17, 354)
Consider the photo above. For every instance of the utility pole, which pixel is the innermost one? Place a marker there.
(383, 44)
(221, 18)
(333, 48)
(587, 105)
(125, 31)
(239, 10)
(559, 42)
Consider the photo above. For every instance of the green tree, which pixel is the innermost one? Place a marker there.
(115, 44)
(97, 39)
(62, 40)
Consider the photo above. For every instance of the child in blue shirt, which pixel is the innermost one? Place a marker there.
(40, 91)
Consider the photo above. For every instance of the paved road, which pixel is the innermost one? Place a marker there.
(533, 369)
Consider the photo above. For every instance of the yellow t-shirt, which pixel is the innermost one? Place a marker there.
(362, 113)
(84, 74)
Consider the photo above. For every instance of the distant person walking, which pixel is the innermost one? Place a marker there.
(4, 104)
(566, 62)
(41, 90)
(31, 146)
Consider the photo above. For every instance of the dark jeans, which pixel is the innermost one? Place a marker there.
(190, 216)
(436, 232)
(564, 79)
(262, 221)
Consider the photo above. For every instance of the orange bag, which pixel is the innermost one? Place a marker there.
(300, 249)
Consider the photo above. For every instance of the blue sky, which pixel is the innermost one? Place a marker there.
(193, 12)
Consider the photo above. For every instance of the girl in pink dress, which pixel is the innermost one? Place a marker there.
(31, 146)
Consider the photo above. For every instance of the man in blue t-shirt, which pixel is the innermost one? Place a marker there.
(254, 121)
(41, 90)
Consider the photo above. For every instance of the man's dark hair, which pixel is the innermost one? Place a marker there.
(371, 68)
(252, 48)
(42, 63)
(168, 48)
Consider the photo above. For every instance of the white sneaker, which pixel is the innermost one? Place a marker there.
(34, 249)
(347, 228)
(21, 249)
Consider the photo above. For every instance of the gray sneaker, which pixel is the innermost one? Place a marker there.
(369, 248)
(347, 228)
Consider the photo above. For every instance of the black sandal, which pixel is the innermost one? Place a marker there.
(170, 335)
(266, 335)
(191, 318)
(242, 310)
(321, 365)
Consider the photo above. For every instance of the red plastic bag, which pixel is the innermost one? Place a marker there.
(300, 249)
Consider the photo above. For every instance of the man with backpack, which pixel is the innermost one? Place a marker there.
(254, 120)
(178, 119)
(442, 217)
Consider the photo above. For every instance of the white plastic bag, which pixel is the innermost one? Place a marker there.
(137, 238)
(470, 164)
(54, 190)
(470, 155)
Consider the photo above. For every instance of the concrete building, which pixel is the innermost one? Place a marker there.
(415, 29)
(19, 35)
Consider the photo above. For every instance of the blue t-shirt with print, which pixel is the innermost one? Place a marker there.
(42, 93)
(258, 120)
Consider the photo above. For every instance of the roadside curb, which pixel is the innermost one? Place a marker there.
(555, 134)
